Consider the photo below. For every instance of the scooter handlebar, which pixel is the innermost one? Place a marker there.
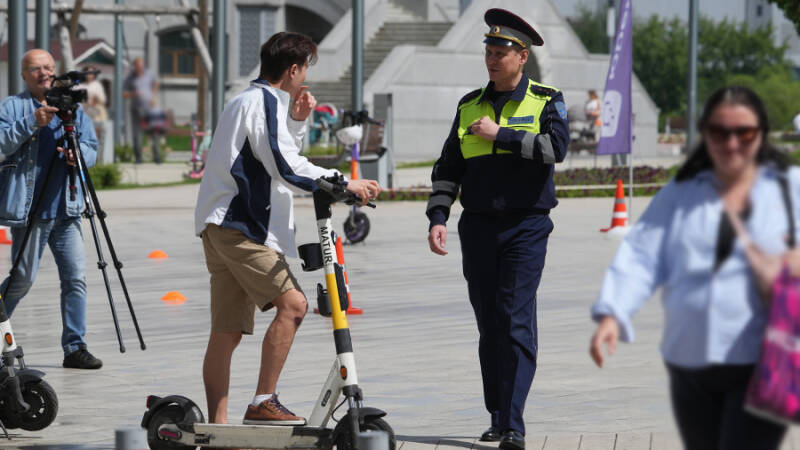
(337, 188)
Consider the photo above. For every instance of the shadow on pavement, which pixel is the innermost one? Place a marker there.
(450, 441)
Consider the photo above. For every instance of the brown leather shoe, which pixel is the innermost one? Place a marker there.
(271, 412)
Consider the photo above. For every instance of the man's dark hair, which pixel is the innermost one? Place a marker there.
(284, 49)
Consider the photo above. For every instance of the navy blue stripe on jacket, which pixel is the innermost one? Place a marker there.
(249, 210)
(286, 172)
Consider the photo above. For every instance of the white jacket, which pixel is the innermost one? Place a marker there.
(252, 168)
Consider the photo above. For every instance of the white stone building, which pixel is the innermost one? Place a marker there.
(426, 54)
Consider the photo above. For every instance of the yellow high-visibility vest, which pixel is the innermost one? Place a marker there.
(519, 115)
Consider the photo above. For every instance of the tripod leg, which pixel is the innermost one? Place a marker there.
(4, 430)
(117, 263)
(89, 213)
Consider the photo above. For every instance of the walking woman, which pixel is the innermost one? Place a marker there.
(714, 311)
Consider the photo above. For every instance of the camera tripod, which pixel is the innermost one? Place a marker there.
(26, 400)
(78, 173)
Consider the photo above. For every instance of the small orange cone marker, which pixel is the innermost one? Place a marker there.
(157, 254)
(619, 218)
(174, 297)
(4, 237)
(351, 310)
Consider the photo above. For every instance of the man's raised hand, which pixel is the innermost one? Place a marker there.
(303, 105)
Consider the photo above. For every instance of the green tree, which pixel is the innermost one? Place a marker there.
(660, 53)
(780, 93)
(590, 26)
(727, 49)
(792, 10)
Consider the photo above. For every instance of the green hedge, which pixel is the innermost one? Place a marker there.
(123, 153)
(573, 177)
(105, 175)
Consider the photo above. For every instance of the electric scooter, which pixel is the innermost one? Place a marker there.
(201, 142)
(175, 422)
(356, 227)
(26, 400)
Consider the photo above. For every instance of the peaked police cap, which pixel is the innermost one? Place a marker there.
(506, 29)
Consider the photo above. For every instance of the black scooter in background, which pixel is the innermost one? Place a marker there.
(26, 400)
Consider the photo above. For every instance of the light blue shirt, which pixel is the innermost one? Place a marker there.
(711, 317)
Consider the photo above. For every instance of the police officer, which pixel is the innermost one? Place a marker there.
(500, 153)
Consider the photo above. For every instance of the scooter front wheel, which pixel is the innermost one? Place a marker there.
(356, 227)
(43, 406)
(343, 435)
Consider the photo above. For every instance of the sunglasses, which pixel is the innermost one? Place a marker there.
(744, 135)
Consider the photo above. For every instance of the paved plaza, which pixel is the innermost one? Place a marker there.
(416, 344)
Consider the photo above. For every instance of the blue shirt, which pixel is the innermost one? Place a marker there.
(52, 205)
(710, 317)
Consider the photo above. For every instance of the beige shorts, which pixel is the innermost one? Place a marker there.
(245, 275)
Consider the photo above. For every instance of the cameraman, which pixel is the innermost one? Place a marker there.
(29, 131)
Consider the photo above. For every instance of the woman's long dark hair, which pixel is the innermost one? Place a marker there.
(699, 160)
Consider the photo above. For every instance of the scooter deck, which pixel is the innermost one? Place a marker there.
(252, 436)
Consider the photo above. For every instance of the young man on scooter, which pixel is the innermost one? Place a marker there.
(244, 215)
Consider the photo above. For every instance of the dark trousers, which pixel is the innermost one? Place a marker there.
(503, 258)
(136, 123)
(709, 408)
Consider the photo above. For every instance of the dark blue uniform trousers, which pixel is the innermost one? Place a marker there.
(503, 258)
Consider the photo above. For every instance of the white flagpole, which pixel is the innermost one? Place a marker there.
(630, 165)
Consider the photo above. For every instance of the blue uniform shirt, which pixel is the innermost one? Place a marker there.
(518, 182)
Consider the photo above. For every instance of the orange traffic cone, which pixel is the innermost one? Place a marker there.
(619, 218)
(4, 237)
(340, 260)
(351, 310)
(174, 297)
(158, 254)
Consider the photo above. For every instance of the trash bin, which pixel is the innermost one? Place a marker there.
(378, 166)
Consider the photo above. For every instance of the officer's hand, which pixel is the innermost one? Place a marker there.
(437, 238)
(366, 189)
(304, 103)
(44, 115)
(607, 333)
(485, 128)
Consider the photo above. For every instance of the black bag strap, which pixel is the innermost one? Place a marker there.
(783, 181)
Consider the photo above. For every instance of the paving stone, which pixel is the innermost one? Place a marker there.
(597, 441)
(560, 442)
(633, 441)
(415, 345)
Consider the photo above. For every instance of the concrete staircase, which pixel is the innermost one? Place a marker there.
(388, 36)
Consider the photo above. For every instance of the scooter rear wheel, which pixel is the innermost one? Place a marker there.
(44, 406)
(344, 437)
(356, 227)
(172, 414)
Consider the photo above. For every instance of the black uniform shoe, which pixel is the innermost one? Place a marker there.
(512, 440)
(82, 359)
(491, 434)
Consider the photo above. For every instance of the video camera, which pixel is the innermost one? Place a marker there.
(62, 94)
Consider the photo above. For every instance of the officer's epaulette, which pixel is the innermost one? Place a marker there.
(543, 90)
(470, 96)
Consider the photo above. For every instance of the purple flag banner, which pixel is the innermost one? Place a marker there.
(617, 115)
